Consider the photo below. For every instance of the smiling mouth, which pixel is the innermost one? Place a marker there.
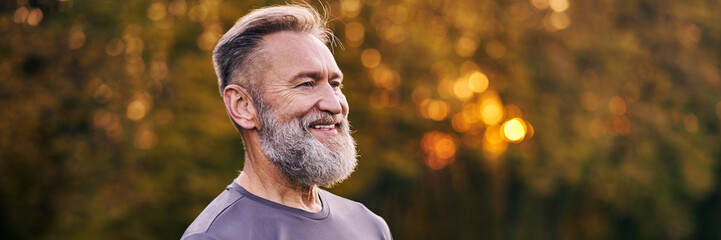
(324, 126)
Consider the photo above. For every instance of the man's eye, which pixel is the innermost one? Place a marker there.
(306, 84)
(336, 85)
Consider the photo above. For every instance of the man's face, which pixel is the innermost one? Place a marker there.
(303, 113)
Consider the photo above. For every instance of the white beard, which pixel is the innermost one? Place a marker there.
(300, 157)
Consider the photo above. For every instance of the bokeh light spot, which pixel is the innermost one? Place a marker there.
(379, 98)
(103, 94)
(420, 93)
(439, 148)
(478, 82)
(398, 13)
(76, 38)
(558, 5)
(493, 144)
(445, 88)
(156, 11)
(385, 77)
(589, 101)
(468, 67)
(198, 13)
(462, 89)
(164, 117)
(208, 39)
(21, 14)
(34, 17)
(556, 21)
(466, 46)
(136, 110)
(617, 106)
(596, 128)
(493, 134)
(514, 130)
(495, 49)
(632, 92)
(350, 8)
(354, 34)
(437, 110)
(177, 7)
(621, 125)
(490, 108)
(395, 33)
(114, 47)
(145, 139)
(139, 106)
(690, 122)
(370, 57)
(460, 122)
(540, 4)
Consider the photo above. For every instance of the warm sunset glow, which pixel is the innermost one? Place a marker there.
(107, 104)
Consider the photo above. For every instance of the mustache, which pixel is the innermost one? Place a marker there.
(324, 118)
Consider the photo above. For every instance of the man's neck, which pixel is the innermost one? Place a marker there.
(263, 179)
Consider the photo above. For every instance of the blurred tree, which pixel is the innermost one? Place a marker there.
(539, 119)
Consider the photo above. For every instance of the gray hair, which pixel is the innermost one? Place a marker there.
(237, 51)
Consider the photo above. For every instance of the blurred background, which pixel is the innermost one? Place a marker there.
(520, 119)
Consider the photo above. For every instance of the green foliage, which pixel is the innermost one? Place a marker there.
(111, 125)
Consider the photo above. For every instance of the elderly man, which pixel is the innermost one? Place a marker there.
(282, 90)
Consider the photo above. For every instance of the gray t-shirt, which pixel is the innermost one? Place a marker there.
(238, 214)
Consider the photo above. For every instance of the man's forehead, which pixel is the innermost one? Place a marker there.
(290, 46)
(288, 39)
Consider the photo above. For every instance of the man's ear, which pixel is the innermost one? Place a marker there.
(240, 106)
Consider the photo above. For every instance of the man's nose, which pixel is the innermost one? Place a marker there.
(329, 99)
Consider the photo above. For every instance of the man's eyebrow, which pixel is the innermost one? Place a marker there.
(336, 75)
(317, 75)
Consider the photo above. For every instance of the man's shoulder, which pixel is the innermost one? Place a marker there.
(341, 201)
(355, 211)
(199, 227)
